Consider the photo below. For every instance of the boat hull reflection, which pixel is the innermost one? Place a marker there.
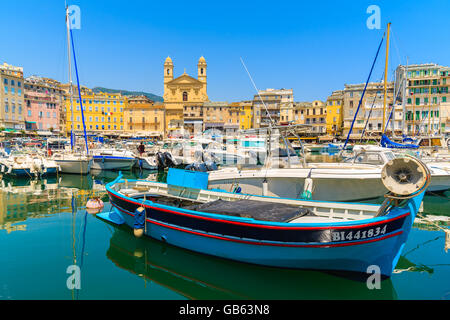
(197, 276)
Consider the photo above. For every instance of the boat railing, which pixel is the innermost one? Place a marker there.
(336, 210)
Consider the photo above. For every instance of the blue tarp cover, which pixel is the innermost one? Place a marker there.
(386, 143)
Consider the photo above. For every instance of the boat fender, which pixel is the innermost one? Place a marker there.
(139, 222)
(308, 187)
(95, 203)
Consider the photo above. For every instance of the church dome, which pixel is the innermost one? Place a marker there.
(168, 61)
(202, 60)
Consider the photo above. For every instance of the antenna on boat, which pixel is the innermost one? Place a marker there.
(272, 123)
(257, 91)
(386, 74)
(363, 93)
(70, 76)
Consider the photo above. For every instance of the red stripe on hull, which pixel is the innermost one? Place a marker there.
(266, 243)
(260, 225)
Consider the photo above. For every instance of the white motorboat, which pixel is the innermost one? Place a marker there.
(228, 154)
(112, 159)
(438, 164)
(146, 162)
(48, 166)
(357, 179)
(74, 163)
(19, 165)
(284, 175)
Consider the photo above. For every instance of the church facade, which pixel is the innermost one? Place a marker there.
(183, 94)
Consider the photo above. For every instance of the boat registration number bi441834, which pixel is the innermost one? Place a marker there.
(359, 234)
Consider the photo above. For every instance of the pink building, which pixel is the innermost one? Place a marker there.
(43, 105)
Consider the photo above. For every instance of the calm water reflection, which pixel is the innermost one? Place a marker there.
(44, 228)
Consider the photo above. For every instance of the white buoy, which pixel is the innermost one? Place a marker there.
(265, 188)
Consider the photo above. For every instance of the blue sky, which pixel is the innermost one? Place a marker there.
(313, 47)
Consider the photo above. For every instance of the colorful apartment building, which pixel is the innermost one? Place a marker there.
(369, 117)
(427, 98)
(267, 105)
(143, 117)
(316, 117)
(11, 98)
(103, 112)
(43, 105)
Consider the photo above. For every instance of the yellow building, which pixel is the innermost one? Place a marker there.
(103, 112)
(316, 117)
(334, 113)
(246, 115)
(143, 117)
(182, 93)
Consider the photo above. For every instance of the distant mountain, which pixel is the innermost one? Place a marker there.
(129, 93)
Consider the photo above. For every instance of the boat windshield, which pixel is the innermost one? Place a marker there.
(369, 158)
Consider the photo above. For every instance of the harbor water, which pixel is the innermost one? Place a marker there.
(45, 230)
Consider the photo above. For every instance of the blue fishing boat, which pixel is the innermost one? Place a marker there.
(271, 231)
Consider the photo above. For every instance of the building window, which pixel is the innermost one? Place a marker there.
(185, 96)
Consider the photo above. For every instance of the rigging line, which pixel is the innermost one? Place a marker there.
(364, 91)
(370, 112)
(421, 244)
(269, 130)
(79, 91)
(392, 109)
(396, 47)
(257, 91)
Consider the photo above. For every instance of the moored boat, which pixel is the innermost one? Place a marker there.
(73, 163)
(272, 231)
(110, 159)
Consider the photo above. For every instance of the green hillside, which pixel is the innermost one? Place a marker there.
(130, 93)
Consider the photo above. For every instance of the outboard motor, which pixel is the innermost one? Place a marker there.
(199, 156)
(161, 161)
(211, 165)
(170, 162)
(197, 166)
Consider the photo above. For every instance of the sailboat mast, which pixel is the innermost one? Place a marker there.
(405, 82)
(385, 75)
(70, 76)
